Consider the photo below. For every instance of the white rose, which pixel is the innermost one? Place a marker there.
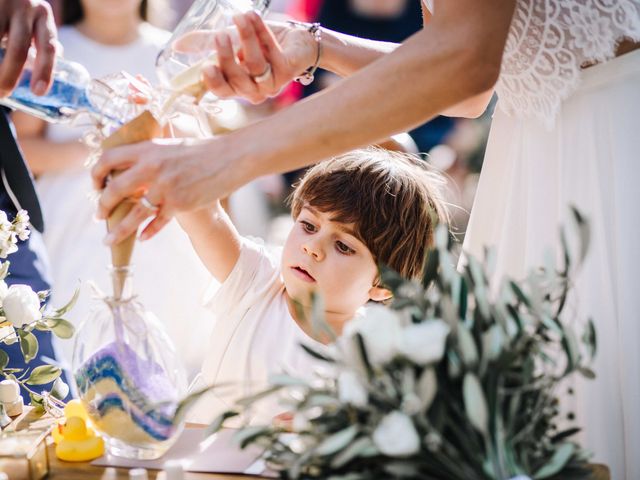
(423, 343)
(8, 335)
(21, 305)
(396, 436)
(3, 290)
(351, 390)
(7, 242)
(379, 327)
(21, 225)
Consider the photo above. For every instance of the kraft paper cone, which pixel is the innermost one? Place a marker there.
(143, 127)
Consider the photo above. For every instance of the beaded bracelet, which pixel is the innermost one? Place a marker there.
(314, 29)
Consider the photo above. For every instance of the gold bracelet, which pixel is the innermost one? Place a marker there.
(306, 77)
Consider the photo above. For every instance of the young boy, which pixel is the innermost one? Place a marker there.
(351, 213)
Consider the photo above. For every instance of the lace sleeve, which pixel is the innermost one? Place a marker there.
(549, 41)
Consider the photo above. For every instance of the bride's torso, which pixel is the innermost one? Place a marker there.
(551, 41)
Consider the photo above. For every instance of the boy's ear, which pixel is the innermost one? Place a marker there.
(379, 294)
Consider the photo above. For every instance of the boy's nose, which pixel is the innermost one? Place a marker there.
(313, 250)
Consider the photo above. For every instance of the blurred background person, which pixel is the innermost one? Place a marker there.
(107, 37)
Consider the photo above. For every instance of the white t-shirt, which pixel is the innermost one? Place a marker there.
(254, 337)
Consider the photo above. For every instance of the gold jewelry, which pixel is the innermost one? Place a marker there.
(264, 76)
(146, 203)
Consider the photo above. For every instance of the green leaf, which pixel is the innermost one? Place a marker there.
(246, 435)
(432, 263)
(337, 441)
(37, 401)
(590, 338)
(63, 310)
(584, 232)
(492, 342)
(558, 461)
(587, 372)
(519, 293)
(362, 349)
(390, 278)
(475, 403)
(28, 345)
(463, 299)
(248, 400)
(63, 328)
(43, 374)
(467, 345)
(442, 237)
(402, 469)
(218, 422)
(317, 354)
(363, 445)
(4, 359)
(570, 346)
(427, 387)
(187, 402)
(283, 380)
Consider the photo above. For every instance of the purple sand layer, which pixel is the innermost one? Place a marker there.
(147, 377)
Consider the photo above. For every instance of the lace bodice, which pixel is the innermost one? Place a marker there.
(548, 42)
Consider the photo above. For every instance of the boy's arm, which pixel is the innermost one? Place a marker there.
(214, 238)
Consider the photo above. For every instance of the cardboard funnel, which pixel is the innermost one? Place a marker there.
(143, 127)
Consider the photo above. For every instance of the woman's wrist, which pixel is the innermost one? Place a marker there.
(311, 36)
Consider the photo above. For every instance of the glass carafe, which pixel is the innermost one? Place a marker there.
(128, 374)
(180, 69)
(70, 94)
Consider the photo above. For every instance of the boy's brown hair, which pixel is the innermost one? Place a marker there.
(394, 201)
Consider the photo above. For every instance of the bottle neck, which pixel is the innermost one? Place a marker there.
(122, 283)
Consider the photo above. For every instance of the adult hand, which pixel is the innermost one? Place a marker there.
(25, 21)
(266, 58)
(172, 174)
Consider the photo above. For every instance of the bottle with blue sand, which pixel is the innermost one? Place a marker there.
(68, 97)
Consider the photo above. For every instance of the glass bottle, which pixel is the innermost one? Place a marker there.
(179, 69)
(128, 374)
(68, 97)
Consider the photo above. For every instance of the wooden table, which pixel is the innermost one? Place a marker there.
(59, 470)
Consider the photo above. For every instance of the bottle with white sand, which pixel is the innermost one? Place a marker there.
(180, 63)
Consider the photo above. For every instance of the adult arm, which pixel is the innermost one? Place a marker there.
(455, 57)
(43, 155)
(24, 21)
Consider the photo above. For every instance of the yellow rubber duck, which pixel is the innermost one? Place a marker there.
(78, 444)
(73, 408)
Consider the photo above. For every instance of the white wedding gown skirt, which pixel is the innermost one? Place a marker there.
(590, 159)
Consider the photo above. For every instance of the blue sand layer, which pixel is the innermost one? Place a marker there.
(143, 383)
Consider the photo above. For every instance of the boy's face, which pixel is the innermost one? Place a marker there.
(324, 256)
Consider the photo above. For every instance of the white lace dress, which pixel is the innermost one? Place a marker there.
(564, 135)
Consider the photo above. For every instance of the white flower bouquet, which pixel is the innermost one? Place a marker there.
(21, 311)
(450, 382)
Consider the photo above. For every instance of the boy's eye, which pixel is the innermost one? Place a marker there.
(308, 227)
(343, 248)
